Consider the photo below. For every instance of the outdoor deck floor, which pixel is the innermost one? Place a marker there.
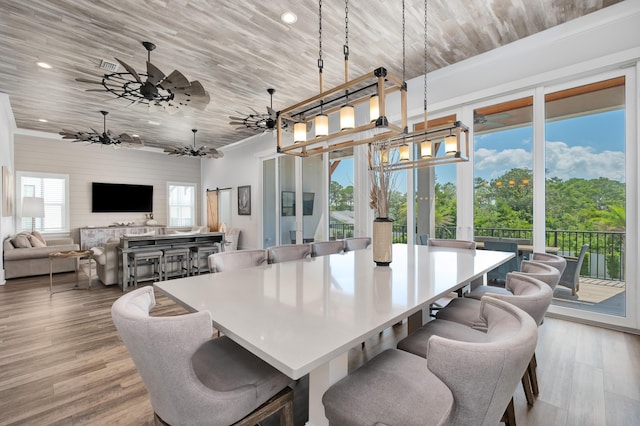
(596, 295)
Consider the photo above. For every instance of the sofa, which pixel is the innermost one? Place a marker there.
(27, 254)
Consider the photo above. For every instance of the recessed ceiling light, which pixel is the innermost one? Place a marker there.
(44, 65)
(155, 123)
(43, 120)
(289, 17)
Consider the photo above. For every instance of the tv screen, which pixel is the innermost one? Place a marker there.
(121, 198)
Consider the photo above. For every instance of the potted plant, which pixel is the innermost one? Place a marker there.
(382, 182)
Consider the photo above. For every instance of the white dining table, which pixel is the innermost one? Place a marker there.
(303, 316)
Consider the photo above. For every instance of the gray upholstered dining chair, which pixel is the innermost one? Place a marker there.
(571, 275)
(459, 382)
(356, 243)
(461, 244)
(550, 259)
(288, 252)
(497, 276)
(231, 260)
(192, 378)
(529, 294)
(539, 270)
(323, 248)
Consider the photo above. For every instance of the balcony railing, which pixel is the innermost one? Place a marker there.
(604, 260)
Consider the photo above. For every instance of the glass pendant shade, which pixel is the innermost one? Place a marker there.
(347, 117)
(299, 132)
(374, 108)
(426, 149)
(321, 125)
(384, 156)
(451, 144)
(404, 152)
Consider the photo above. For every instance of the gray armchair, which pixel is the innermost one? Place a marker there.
(571, 276)
(192, 378)
(550, 259)
(459, 383)
(528, 293)
(232, 260)
(356, 243)
(323, 248)
(288, 252)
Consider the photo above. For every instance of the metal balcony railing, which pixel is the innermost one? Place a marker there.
(604, 260)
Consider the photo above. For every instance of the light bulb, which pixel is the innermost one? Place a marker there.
(347, 117)
(299, 132)
(374, 108)
(322, 125)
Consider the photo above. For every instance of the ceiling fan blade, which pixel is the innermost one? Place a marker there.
(232, 117)
(86, 80)
(154, 75)
(130, 71)
(174, 81)
(236, 123)
(196, 89)
(96, 90)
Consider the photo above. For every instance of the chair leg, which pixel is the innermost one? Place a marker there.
(526, 385)
(509, 416)
(533, 376)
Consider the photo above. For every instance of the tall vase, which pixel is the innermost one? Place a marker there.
(382, 241)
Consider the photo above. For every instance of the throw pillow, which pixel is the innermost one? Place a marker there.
(39, 236)
(35, 241)
(21, 241)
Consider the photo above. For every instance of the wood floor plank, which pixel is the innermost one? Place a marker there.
(63, 363)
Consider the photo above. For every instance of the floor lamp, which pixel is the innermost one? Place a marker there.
(33, 207)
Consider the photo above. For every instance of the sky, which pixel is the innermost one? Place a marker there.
(585, 147)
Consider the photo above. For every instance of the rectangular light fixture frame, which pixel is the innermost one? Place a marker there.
(360, 89)
(436, 135)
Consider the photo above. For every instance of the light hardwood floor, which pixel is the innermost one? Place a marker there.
(62, 363)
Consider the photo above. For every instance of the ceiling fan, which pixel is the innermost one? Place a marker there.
(104, 138)
(153, 88)
(257, 121)
(193, 151)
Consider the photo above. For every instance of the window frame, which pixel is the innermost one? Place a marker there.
(65, 209)
(193, 207)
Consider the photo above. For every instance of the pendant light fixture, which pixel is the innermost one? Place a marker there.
(339, 102)
(347, 112)
(453, 135)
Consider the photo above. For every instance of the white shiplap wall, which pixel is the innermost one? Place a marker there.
(86, 163)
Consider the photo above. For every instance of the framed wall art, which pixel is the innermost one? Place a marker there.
(244, 200)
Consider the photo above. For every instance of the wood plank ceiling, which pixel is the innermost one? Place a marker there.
(236, 49)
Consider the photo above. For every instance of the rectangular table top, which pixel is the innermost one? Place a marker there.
(298, 315)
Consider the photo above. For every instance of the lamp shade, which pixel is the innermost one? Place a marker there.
(33, 207)
(451, 144)
(322, 125)
(299, 132)
(384, 156)
(347, 117)
(426, 149)
(404, 152)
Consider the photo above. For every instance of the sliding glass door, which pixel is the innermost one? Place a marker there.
(586, 193)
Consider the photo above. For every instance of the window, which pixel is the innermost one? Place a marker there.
(54, 188)
(182, 204)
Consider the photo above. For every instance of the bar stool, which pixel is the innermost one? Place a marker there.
(141, 258)
(199, 255)
(178, 256)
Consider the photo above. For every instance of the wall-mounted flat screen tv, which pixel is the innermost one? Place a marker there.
(121, 198)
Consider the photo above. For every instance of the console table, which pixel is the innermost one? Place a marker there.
(98, 236)
(133, 243)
